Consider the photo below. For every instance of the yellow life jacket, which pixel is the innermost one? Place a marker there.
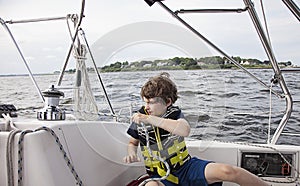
(177, 156)
(175, 153)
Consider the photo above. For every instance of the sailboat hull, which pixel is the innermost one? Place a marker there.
(96, 150)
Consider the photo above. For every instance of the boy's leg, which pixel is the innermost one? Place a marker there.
(217, 172)
(154, 183)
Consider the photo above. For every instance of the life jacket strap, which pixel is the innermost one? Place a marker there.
(170, 178)
(180, 158)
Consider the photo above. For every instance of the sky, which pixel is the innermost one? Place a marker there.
(130, 30)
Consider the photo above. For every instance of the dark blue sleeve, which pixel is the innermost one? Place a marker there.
(180, 115)
(132, 131)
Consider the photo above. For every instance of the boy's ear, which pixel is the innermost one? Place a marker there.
(169, 102)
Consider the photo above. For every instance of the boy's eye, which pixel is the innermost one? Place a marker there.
(154, 101)
(151, 102)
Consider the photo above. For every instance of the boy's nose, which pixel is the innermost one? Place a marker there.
(147, 106)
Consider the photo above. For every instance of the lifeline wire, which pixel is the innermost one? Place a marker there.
(270, 115)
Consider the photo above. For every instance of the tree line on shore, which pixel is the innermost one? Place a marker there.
(184, 63)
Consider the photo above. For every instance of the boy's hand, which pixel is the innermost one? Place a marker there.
(140, 118)
(131, 159)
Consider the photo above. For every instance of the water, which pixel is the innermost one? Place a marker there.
(222, 105)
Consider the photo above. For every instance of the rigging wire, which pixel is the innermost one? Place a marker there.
(72, 17)
(73, 41)
(270, 115)
(35, 20)
(23, 59)
(97, 71)
(215, 47)
(275, 79)
(265, 23)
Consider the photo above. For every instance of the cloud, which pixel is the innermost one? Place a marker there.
(51, 56)
(228, 31)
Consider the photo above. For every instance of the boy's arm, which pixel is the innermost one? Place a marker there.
(179, 127)
(132, 151)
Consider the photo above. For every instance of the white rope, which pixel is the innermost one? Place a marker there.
(155, 157)
(9, 156)
(9, 126)
(83, 97)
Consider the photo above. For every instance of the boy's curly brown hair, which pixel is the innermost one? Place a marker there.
(160, 86)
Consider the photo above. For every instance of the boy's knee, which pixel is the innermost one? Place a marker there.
(154, 183)
(229, 172)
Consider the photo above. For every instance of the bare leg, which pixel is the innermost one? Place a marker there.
(216, 172)
(154, 183)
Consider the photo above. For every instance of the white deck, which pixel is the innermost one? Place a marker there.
(96, 150)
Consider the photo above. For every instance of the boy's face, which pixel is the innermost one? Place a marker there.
(155, 106)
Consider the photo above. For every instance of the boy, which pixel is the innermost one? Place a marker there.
(166, 128)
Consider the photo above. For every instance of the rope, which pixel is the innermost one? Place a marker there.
(73, 41)
(66, 158)
(97, 71)
(61, 148)
(13, 130)
(65, 140)
(156, 157)
(83, 98)
(9, 126)
(20, 156)
(9, 157)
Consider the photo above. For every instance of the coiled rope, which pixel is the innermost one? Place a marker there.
(9, 156)
(13, 130)
(61, 148)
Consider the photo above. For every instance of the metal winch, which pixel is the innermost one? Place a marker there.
(51, 111)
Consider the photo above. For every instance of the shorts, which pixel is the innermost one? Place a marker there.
(190, 174)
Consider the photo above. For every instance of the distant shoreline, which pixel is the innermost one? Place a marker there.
(20, 75)
(229, 67)
(185, 63)
(176, 63)
(140, 69)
